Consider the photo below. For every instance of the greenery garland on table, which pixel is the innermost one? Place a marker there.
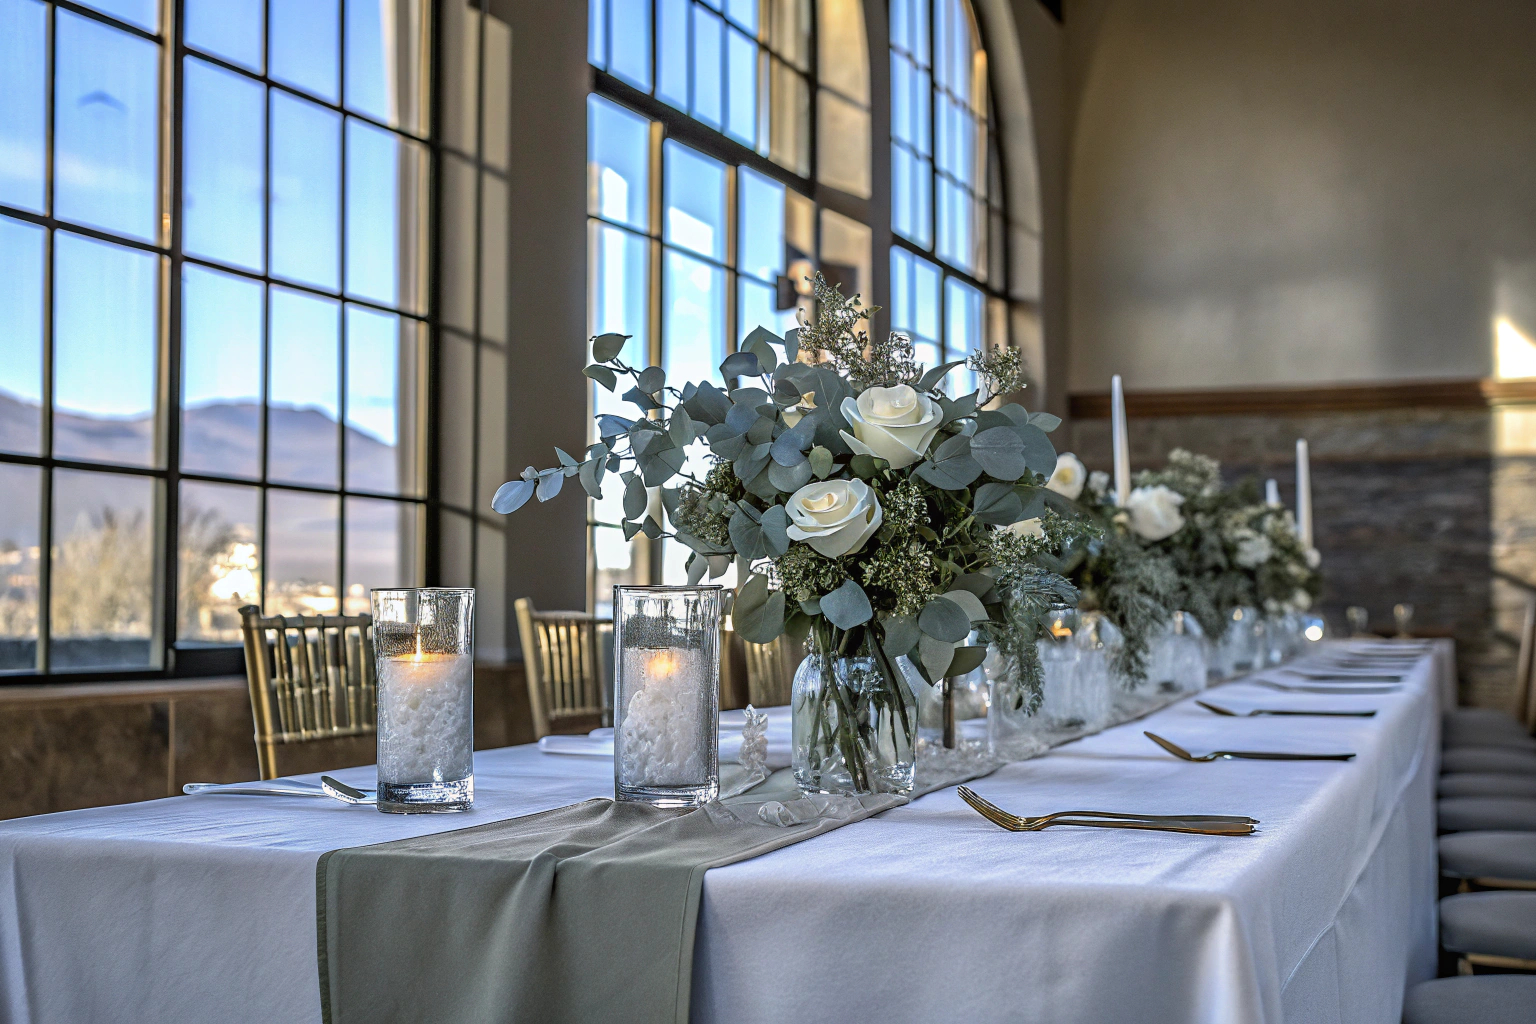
(860, 503)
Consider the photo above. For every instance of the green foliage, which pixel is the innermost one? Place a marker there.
(837, 336)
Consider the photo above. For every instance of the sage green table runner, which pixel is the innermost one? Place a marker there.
(580, 913)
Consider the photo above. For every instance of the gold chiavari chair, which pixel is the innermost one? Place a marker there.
(771, 670)
(311, 677)
(563, 660)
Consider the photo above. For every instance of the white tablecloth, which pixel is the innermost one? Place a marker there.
(202, 908)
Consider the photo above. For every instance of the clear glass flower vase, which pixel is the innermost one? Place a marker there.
(854, 722)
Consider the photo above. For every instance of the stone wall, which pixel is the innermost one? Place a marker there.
(1421, 506)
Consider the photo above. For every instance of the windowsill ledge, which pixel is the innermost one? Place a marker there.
(30, 697)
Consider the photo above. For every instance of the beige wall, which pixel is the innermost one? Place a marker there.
(1266, 192)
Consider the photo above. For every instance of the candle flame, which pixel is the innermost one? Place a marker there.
(661, 664)
(1060, 631)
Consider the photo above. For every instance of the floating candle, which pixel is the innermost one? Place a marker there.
(426, 723)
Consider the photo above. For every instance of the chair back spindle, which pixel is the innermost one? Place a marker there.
(311, 677)
(563, 661)
(771, 670)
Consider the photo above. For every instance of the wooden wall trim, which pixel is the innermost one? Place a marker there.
(1467, 393)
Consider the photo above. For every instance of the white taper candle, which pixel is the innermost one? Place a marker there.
(1271, 493)
(1122, 445)
(1303, 492)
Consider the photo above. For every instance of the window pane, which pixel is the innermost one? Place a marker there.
(106, 118)
(385, 53)
(382, 549)
(490, 593)
(695, 210)
(143, 13)
(304, 400)
(19, 553)
(618, 148)
(386, 194)
(301, 553)
(672, 52)
(789, 119)
(843, 49)
(707, 28)
(597, 32)
(102, 596)
(491, 446)
(306, 173)
(845, 253)
(223, 138)
(761, 228)
(21, 341)
(453, 550)
(741, 116)
(220, 373)
(915, 298)
(789, 31)
(693, 293)
(757, 306)
(104, 346)
(493, 257)
(226, 28)
(630, 58)
(963, 314)
(383, 374)
(23, 102)
(220, 566)
(304, 36)
(842, 132)
(617, 292)
(456, 419)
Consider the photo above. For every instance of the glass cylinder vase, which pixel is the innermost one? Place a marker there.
(854, 723)
(667, 695)
(424, 650)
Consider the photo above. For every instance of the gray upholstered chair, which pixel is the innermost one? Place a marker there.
(1490, 929)
(1488, 759)
(1486, 813)
(1492, 860)
(1491, 999)
(1486, 784)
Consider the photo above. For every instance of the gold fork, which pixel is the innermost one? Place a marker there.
(1196, 824)
(1247, 755)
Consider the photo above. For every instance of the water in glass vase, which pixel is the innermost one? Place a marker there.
(854, 723)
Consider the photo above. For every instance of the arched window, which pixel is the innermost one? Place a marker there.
(705, 214)
(948, 263)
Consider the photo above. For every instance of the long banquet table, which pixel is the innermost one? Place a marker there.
(203, 909)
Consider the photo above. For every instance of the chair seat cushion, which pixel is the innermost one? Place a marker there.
(1482, 718)
(1486, 784)
(1493, 923)
(1486, 814)
(1488, 759)
(1487, 999)
(1505, 855)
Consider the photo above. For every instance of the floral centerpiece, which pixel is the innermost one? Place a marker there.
(864, 508)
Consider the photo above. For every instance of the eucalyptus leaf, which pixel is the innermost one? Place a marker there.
(978, 583)
(740, 364)
(789, 478)
(998, 505)
(935, 656)
(847, 606)
(680, 428)
(651, 379)
(933, 376)
(791, 344)
(635, 498)
(945, 620)
(758, 344)
(751, 615)
(719, 565)
(603, 375)
(821, 462)
(708, 404)
(512, 495)
(1000, 452)
(967, 659)
(901, 635)
(564, 457)
(591, 480)
(951, 467)
(752, 462)
(761, 430)
(862, 466)
(1045, 421)
(610, 426)
(651, 528)
(696, 567)
(550, 485)
(729, 448)
(968, 602)
(1038, 450)
(630, 529)
(606, 347)
(775, 524)
(635, 396)
(789, 447)
(763, 486)
(811, 606)
(663, 466)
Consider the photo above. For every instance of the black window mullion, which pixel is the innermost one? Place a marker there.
(341, 326)
(171, 318)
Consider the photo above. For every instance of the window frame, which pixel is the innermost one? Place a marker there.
(172, 657)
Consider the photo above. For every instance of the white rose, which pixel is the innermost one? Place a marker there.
(1029, 529)
(1253, 550)
(895, 424)
(1154, 511)
(1069, 477)
(1098, 481)
(834, 517)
